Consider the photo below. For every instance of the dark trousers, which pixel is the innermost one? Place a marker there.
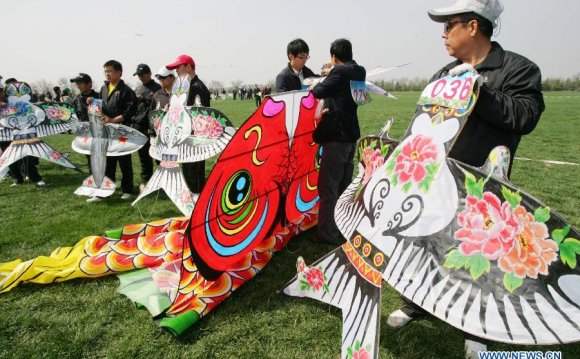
(336, 169)
(26, 166)
(126, 166)
(146, 162)
(194, 173)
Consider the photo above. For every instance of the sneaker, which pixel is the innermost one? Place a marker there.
(41, 183)
(15, 184)
(398, 319)
(141, 187)
(94, 199)
(472, 349)
(126, 196)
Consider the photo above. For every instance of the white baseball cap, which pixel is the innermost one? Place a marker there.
(488, 9)
(164, 72)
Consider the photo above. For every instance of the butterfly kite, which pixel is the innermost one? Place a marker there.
(184, 134)
(261, 192)
(99, 141)
(23, 123)
(461, 242)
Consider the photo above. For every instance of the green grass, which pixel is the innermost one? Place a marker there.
(88, 319)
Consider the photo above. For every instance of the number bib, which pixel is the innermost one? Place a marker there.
(450, 91)
(360, 93)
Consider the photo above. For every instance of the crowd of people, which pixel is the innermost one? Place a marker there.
(509, 106)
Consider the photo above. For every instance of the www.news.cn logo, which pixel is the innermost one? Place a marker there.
(520, 355)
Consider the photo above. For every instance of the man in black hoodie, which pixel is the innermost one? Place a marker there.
(341, 134)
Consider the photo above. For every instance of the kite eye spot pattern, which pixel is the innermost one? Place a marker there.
(272, 108)
(308, 101)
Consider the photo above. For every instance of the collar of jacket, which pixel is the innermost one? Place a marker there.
(493, 60)
(120, 84)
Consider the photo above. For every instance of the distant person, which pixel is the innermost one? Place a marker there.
(57, 94)
(291, 77)
(84, 84)
(119, 106)
(66, 96)
(509, 105)
(194, 172)
(257, 96)
(140, 121)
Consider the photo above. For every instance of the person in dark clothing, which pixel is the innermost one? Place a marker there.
(84, 84)
(199, 95)
(291, 77)
(140, 121)
(339, 144)
(162, 97)
(257, 96)
(509, 105)
(57, 94)
(119, 106)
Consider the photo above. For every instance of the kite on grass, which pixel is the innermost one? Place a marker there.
(261, 192)
(23, 123)
(184, 134)
(461, 242)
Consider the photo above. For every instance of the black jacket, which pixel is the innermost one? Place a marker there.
(141, 119)
(509, 105)
(198, 88)
(336, 89)
(81, 107)
(287, 80)
(122, 101)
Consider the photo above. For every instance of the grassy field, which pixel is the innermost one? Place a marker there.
(88, 319)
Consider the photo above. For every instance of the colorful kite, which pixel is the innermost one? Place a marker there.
(461, 242)
(262, 192)
(184, 134)
(23, 123)
(99, 141)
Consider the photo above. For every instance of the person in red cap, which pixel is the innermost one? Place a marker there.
(510, 102)
(194, 172)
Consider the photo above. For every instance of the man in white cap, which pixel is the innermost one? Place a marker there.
(161, 98)
(199, 95)
(509, 105)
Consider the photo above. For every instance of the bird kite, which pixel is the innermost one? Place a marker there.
(461, 242)
(23, 123)
(99, 141)
(184, 134)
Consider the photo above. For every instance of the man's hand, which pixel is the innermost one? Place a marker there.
(461, 69)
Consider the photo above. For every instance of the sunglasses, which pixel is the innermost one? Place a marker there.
(448, 25)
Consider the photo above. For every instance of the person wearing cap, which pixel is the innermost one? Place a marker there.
(84, 84)
(509, 105)
(199, 95)
(291, 77)
(119, 106)
(161, 98)
(140, 122)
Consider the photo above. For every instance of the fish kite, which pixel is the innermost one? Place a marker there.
(99, 141)
(184, 134)
(261, 192)
(461, 242)
(23, 123)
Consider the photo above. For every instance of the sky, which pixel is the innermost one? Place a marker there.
(246, 40)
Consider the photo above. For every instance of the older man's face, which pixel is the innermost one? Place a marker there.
(456, 35)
